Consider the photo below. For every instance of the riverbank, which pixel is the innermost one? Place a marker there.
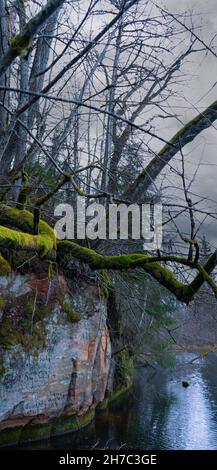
(62, 426)
(159, 414)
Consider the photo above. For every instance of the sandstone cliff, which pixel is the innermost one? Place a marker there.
(55, 354)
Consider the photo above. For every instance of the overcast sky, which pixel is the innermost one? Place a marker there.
(200, 91)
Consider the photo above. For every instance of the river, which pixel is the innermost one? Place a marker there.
(161, 414)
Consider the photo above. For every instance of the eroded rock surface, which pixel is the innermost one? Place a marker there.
(61, 370)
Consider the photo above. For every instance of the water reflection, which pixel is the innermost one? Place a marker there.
(178, 417)
(189, 421)
(162, 415)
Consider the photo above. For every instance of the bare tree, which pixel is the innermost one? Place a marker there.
(74, 102)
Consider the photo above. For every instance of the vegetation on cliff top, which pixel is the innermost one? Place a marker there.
(45, 245)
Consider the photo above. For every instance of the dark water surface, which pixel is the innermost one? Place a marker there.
(162, 414)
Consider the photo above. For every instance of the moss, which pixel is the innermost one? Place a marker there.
(23, 220)
(14, 239)
(36, 354)
(3, 369)
(40, 309)
(14, 218)
(114, 399)
(208, 279)
(166, 278)
(29, 333)
(72, 315)
(28, 307)
(176, 138)
(35, 432)
(25, 191)
(67, 177)
(150, 264)
(43, 199)
(98, 261)
(103, 405)
(50, 270)
(43, 311)
(38, 339)
(5, 268)
(66, 248)
(2, 303)
(20, 44)
(67, 424)
(126, 366)
(28, 336)
(39, 431)
(120, 394)
(45, 242)
(19, 258)
(80, 192)
(8, 338)
(10, 436)
(105, 280)
(152, 170)
(23, 197)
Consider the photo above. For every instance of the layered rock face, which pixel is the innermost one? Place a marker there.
(55, 355)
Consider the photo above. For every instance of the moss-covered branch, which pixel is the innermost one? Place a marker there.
(151, 264)
(209, 266)
(5, 268)
(13, 239)
(16, 232)
(22, 41)
(42, 200)
(185, 135)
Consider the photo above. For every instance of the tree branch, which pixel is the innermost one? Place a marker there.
(81, 54)
(22, 41)
(183, 137)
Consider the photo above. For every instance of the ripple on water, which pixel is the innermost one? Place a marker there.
(162, 415)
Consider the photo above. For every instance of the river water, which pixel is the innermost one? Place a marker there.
(161, 414)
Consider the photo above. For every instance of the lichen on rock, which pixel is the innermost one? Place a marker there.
(51, 384)
(72, 315)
